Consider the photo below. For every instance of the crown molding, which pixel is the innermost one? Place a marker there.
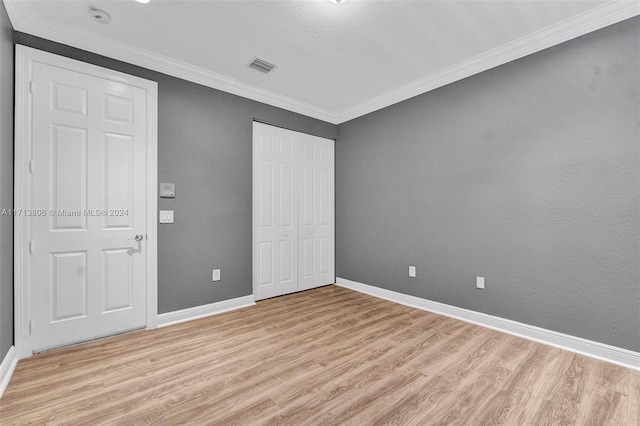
(25, 20)
(594, 19)
(13, 11)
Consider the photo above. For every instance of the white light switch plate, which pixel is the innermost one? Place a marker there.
(480, 282)
(216, 275)
(412, 271)
(166, 216)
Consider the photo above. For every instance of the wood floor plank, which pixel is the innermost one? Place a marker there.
(325, 356)
(633, 404)
(520, 394)
(564, 399)
(443, 383)
(604, 407)
(344, 377)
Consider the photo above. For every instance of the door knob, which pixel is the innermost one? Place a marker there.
(138, 237)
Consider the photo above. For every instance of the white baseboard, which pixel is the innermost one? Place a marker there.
(601, 351)
(6, 368)
(189, 314)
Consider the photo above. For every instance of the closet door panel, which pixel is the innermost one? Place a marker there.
(265, 252)
(287, 216)
(275, 251)
(317, 231)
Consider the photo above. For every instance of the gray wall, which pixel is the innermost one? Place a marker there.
(6, 182)
(526, 174)
(205, 149)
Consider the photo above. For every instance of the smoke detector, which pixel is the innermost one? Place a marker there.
(100, 16)
(262, 65)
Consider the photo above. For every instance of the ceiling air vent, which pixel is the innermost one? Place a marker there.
(261, 65)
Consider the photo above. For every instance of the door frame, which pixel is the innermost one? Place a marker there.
(25, 57)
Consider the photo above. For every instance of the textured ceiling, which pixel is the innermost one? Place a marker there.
(330, 56)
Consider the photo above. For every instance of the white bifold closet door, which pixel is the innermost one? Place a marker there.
(293, 211)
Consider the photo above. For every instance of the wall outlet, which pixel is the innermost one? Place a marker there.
(480, 282)
(412, 271)
(216, 275)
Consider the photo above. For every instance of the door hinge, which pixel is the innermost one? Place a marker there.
(32, 166)
(31, 246)
(30, 327)
(32, 87)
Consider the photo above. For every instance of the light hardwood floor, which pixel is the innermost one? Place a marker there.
(320, 357)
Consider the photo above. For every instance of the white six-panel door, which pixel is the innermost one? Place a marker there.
(316, 212)
(275, 211)
(293, 229)
(88, 272)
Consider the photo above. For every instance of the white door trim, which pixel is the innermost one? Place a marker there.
(25, 57)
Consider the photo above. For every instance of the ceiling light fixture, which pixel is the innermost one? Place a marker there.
(337, 1)
(143, 1)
